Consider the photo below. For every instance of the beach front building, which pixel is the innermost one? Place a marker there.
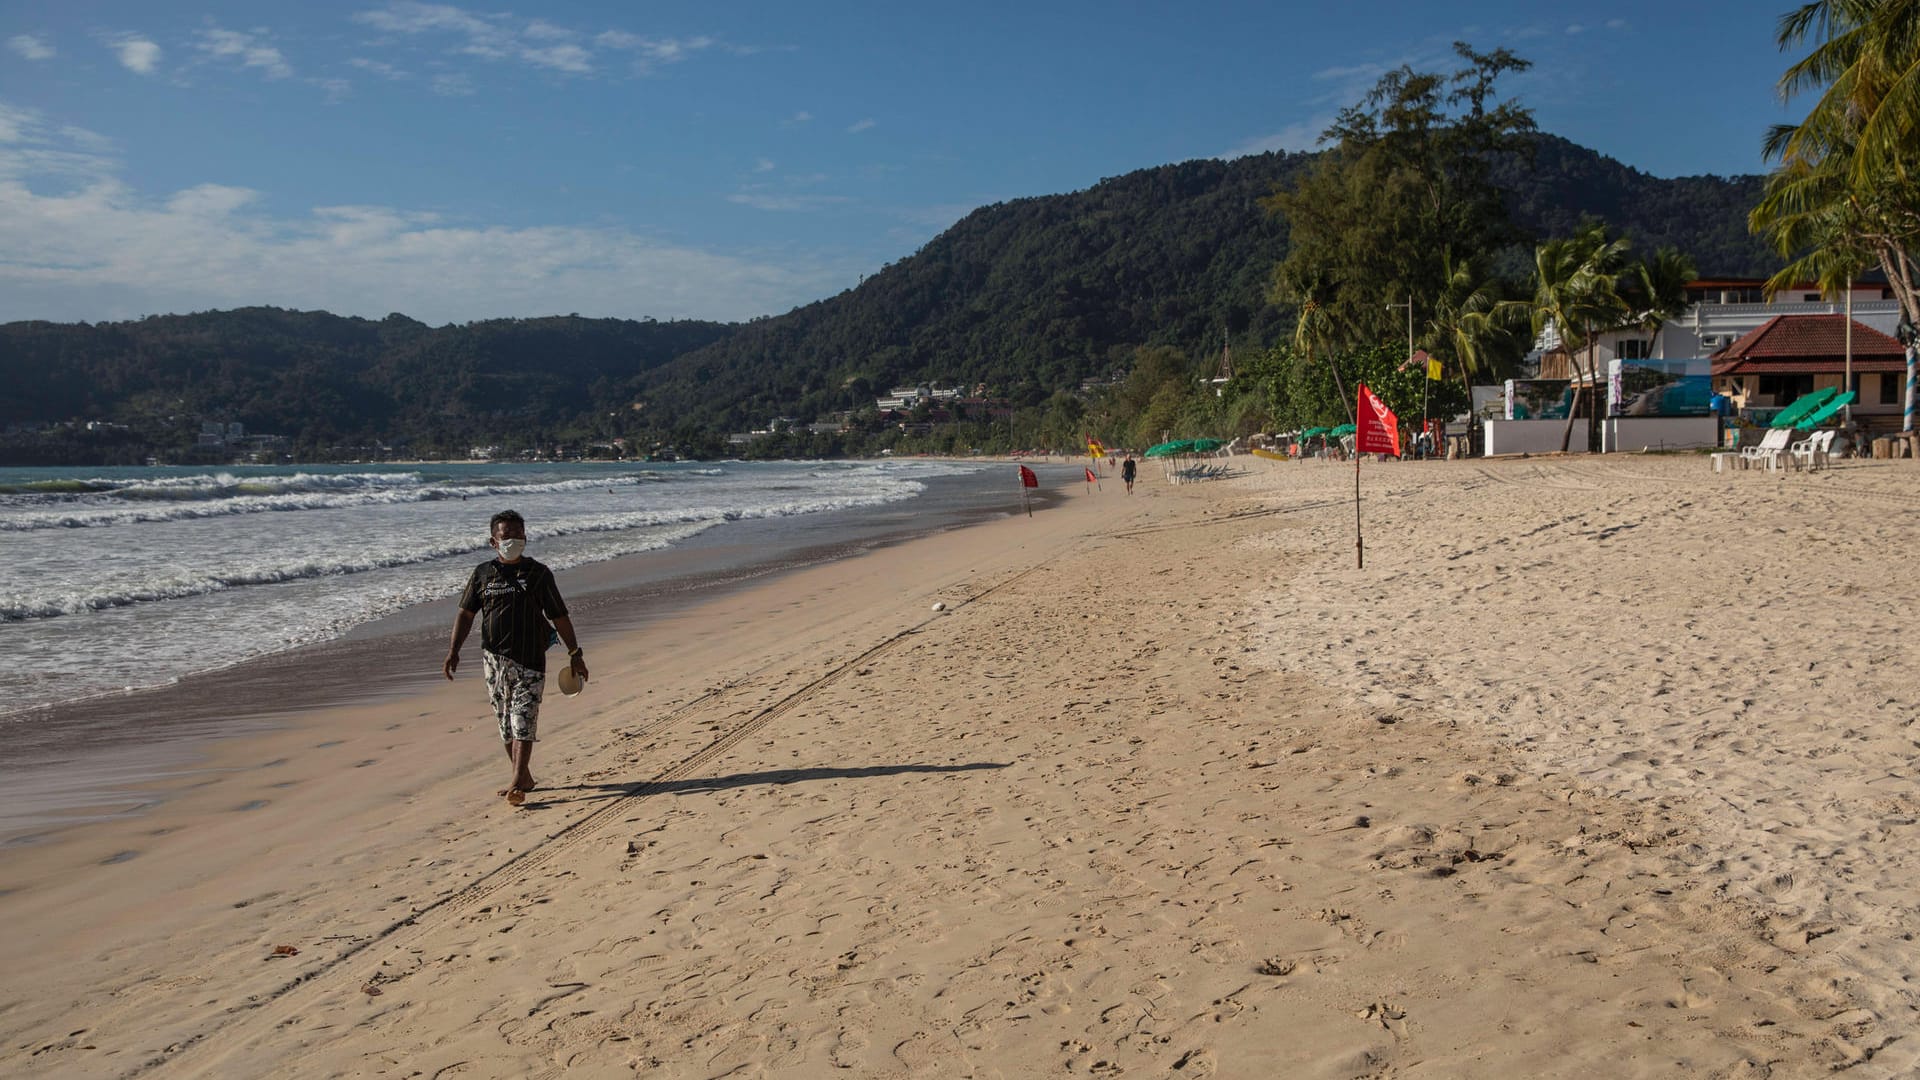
(1790, 355)
(1722, 311)
(1764, 353)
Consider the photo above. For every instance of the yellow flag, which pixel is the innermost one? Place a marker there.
(1433, 369)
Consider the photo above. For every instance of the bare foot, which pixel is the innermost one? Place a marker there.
(515, 796)
(528, 786)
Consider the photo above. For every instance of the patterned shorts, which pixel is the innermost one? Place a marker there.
(514, 692)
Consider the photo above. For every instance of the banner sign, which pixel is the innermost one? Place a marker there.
(1539, 399)
(1379, 429)
(1660, 387)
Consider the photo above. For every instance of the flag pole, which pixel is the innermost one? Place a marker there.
(1359, 544)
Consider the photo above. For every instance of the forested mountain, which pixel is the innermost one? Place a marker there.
(1036, 294)
(1028, 297)
(324, 380)
(1703, 216)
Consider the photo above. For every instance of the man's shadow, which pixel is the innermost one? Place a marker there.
(594, 792)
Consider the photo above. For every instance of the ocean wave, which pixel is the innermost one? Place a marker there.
(39, 601)
(205, 497)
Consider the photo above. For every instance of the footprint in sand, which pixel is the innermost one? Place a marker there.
(849, 1048)
(1197, 1062)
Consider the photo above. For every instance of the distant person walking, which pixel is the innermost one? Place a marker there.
(516, 597)
(1129, 470)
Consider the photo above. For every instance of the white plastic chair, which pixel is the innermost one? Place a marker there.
(1813, 452)
(1767, 451)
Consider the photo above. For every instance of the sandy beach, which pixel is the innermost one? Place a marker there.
(1598, 768)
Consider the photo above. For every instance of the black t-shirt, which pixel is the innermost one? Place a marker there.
(515, 601)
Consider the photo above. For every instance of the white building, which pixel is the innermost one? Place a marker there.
(1724, 310)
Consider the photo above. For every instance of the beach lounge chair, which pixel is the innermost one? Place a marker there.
(1767, 451)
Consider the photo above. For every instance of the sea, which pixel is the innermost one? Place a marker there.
(118, 581)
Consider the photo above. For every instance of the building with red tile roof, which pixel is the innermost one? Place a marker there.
(1791, 355)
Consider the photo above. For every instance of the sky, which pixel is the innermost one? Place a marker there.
(718, 160)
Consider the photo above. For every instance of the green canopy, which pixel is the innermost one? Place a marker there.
(1796, 412)
(1313, 432)
(1203, 446)
(1825, 412)
(1168, 449)
(1343, 429)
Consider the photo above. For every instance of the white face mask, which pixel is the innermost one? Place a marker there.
(510, 549)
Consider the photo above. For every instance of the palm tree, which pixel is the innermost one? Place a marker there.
(1472, 325)
(1313, 327)
(1846, 193)
(1656, 292)
(1575, 292)
(1867, 69)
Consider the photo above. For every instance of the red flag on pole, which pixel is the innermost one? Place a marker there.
(1090, 477)
(1027, 479)
(1379, 429)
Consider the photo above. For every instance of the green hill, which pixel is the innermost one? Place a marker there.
(1027, 297)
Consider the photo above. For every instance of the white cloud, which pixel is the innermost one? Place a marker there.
(763, 165)
(1346, 73)
(415, 18)
(542, 30)
(97, 249)
(801, 117)
(379, 67)
(454, 85)
(31, 47)
(540, 43)
(1576, 28)
(136, 53)
(859, 126)
(569, 58)
(32, 146)
(337, 90)
(1617, 24)
(249, 49)
(649, 51)
(1299, 136)
(760, 200)
(16, 123)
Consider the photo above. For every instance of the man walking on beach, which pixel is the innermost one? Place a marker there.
(516, 597)
(1128, 471)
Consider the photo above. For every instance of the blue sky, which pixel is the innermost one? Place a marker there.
(714, 160)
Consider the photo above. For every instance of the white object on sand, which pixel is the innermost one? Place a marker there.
(939, 605)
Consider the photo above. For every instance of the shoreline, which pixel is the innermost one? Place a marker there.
(1166, 787)
(80, 760)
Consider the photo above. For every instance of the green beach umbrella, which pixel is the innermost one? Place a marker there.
(1203, 446)
(1801, 406)
(1825, 412)
(1313, 433)
(1168, 449)
(1343, 429)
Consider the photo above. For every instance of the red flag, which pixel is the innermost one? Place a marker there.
(1027, 479)
(1090, 477)
(1379, 429)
